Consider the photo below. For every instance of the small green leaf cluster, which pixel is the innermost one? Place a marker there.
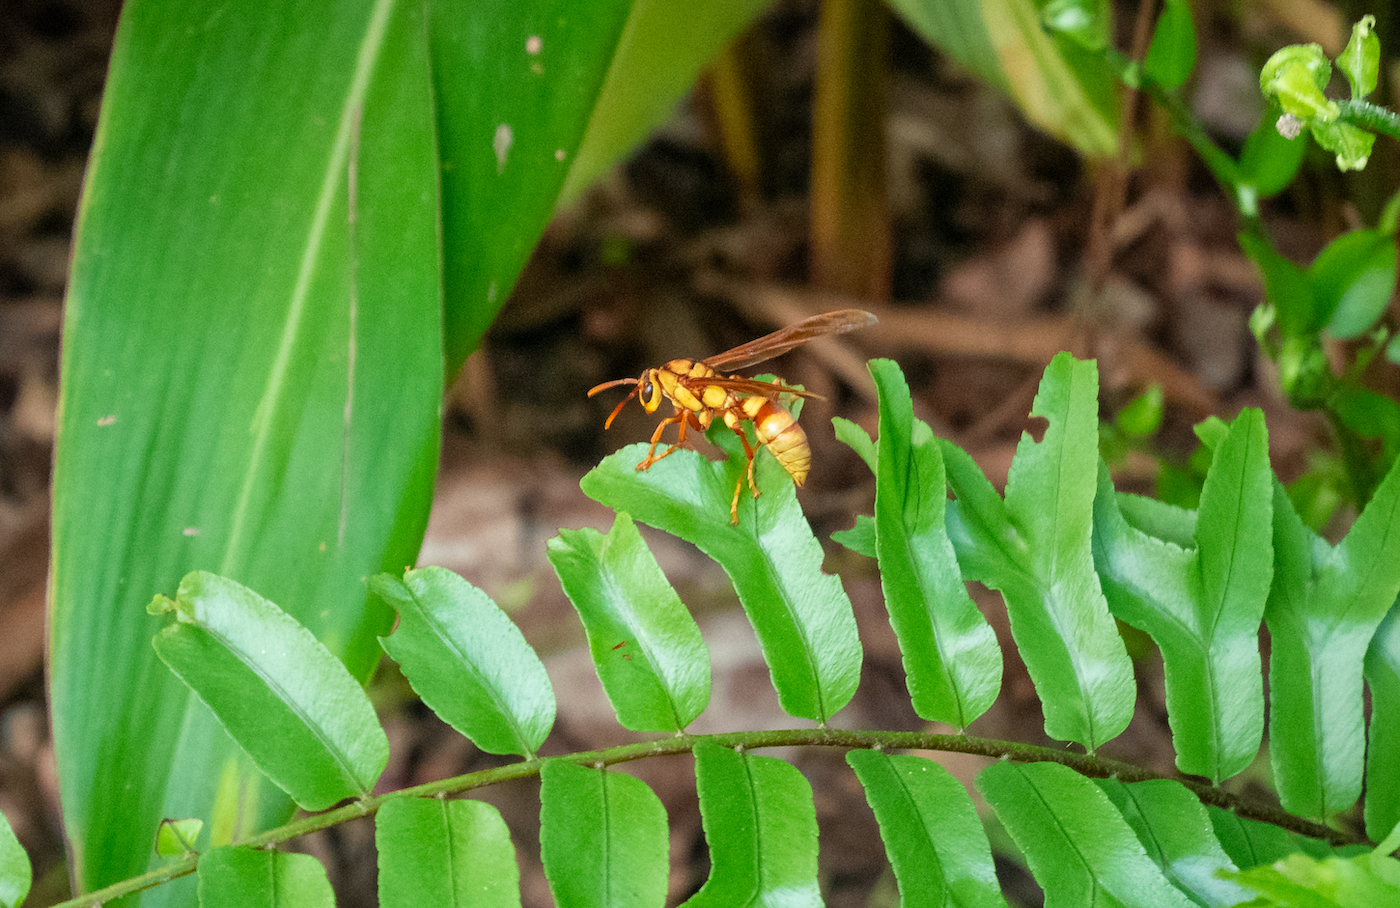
(1070, 556)
(1296, 77)
(1344, 293)
(1346, 289)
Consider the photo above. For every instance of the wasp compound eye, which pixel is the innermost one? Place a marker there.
(651, 395)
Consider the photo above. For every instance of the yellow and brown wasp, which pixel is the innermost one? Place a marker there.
(701, 394)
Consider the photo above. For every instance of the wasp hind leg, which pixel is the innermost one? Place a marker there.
(749, 452)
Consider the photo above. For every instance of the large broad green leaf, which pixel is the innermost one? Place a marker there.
(251, 381)
(802, 616)
(1080, 848)
(515, 86)
(449, 853)
(661, 51)
(1035, 547)
(275, 689)
(536, 100)
(602, 838)
(1325, 606)
(647, 649)
(1203, 602)
(468, 660)
(280, 199)
(761, 826)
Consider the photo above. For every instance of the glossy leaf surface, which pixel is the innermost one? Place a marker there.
(647, 649)
(951, 659)
(803, 617)
(761, 826)
(1382, 673)
(602, 838)
(235, 344)
(1080, 848)
(455, 854)
(275, 689)
(1035, 547)
(1325, 606)
(1249, 843)
(468, 660)
(661, 51)
(255, 878)
(1173, 827)
(1202, 604)
(931, 831)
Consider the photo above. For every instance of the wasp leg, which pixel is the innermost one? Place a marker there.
(681, 418)
(739, 486)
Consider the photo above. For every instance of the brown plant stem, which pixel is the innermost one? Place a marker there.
(850, 232)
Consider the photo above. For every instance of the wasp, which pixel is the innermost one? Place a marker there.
(701, 395)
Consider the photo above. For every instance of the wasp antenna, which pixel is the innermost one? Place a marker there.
(611, 384)
(616, 410)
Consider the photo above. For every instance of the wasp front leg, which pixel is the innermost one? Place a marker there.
(682, 418)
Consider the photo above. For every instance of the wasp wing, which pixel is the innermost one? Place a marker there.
(784, 339)
(769, 389)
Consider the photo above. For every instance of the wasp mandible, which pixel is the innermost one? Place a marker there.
(701, 394)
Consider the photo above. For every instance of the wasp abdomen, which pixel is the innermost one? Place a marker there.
(781, 434)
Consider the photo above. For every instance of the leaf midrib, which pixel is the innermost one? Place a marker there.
(370, 47)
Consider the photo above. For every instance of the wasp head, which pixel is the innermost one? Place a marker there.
(648, 391)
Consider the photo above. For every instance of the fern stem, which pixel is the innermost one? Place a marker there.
(1085, 764)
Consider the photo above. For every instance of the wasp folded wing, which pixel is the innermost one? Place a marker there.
(769, 389)
(784, 339)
